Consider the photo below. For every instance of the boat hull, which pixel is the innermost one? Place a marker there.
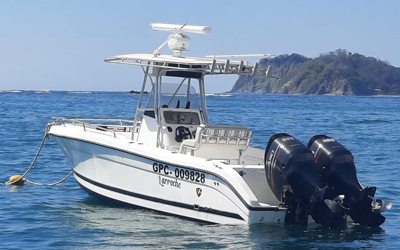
(126, 177)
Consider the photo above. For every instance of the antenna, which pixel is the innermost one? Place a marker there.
(178, 41)
(195, 29)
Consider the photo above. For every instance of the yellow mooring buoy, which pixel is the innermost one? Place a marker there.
(16, 177)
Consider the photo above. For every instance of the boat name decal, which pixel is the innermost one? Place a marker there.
(165, 181)
(179, 173)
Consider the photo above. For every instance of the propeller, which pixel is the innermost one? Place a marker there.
(380, 206)
(336, 205)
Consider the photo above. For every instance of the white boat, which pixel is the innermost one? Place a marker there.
(171, 159)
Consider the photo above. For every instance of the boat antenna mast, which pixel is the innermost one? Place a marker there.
(178, 41)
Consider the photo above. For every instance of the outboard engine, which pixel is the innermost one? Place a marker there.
(292, 177)
(335, 165)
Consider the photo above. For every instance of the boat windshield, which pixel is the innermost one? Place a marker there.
(174, 95)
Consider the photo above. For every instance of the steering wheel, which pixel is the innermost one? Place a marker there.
(182, 133)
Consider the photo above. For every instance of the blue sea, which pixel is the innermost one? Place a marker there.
(65, 217)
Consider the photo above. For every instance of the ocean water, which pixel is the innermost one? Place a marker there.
(65, 217)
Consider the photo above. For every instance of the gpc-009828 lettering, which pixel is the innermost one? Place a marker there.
(184, 174)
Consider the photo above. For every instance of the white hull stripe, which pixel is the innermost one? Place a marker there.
(153, 199)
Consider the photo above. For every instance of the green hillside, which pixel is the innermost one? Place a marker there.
(338, 73)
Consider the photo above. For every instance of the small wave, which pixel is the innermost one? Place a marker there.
(368, 121)
(377, 120)
(42, 91)
(386, 95)
(79, 92)
(11, 91)
(222, 95)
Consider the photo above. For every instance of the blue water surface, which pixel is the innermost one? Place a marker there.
(65, 217)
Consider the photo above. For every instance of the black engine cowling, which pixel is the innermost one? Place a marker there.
(335, 165)
(287, 160)
(292, 177)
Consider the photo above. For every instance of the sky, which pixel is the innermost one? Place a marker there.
(61, 45)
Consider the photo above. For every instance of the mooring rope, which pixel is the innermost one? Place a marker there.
(34, 161)
(50, 184)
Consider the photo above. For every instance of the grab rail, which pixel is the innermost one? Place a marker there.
(105, 127)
